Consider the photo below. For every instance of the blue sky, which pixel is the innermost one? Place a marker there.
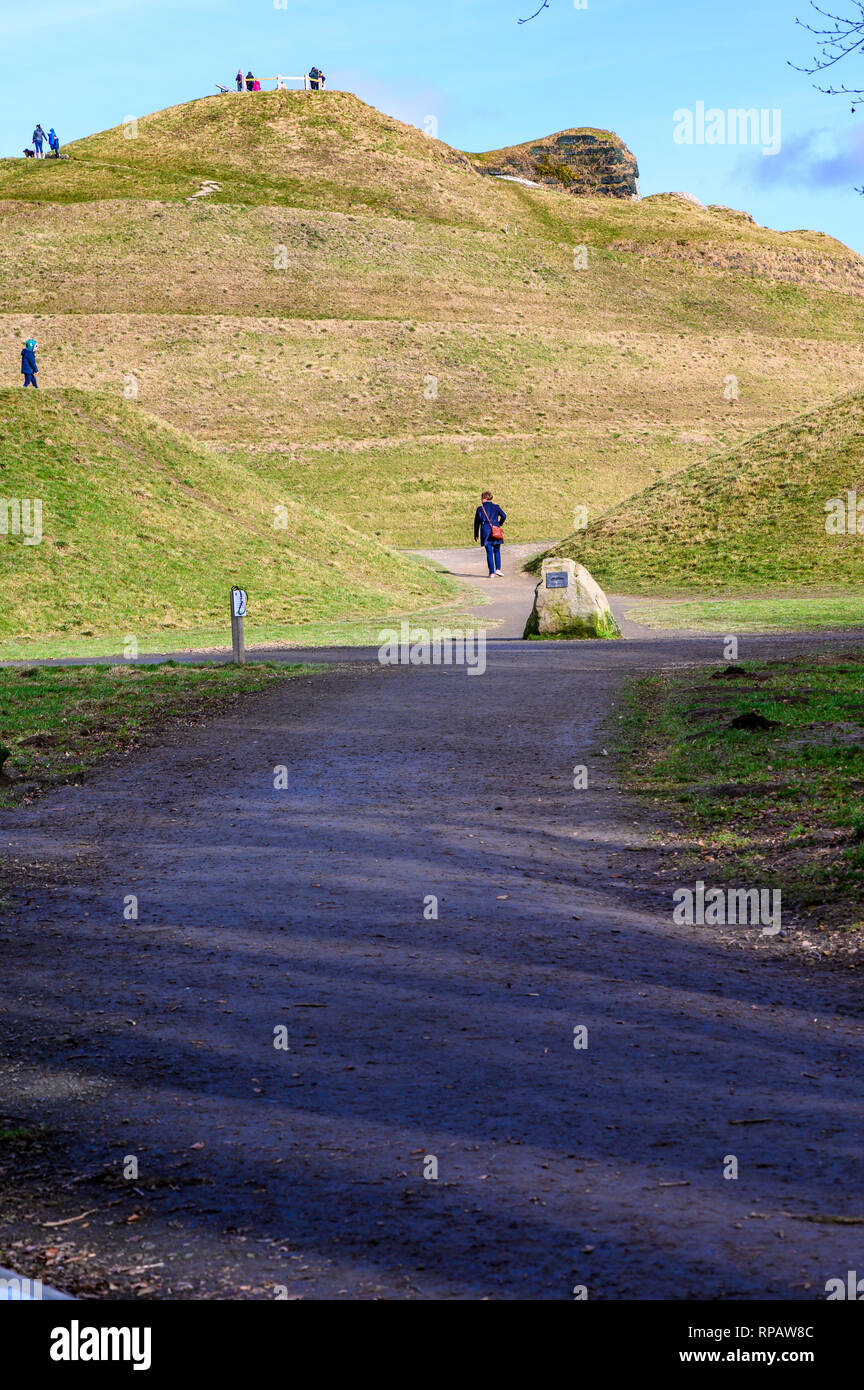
(628, 65)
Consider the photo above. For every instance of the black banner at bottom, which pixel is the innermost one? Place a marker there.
(224, 1339)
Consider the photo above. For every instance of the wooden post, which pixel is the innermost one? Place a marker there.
(238, 611)
(237, 642)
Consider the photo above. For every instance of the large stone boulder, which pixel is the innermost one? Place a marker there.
(569, 603)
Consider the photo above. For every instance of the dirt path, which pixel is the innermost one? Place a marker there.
(261, 1168)
(506, 602)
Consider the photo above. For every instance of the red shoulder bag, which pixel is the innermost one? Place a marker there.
(495, 532)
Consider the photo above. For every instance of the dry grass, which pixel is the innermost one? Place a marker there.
(241, 380)
(412, 491)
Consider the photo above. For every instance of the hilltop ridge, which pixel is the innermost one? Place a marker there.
(328, 149)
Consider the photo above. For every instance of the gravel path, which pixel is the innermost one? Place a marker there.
(302, 1171)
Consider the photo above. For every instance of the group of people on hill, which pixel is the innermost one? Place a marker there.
(39, 140)
(250, 83)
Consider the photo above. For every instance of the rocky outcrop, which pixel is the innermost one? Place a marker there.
(590, 163)
(569, 603)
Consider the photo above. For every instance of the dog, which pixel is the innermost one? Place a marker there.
(29, 154)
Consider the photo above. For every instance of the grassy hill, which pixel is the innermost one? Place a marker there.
(144, 532)
(348, 312)
(750, 521)
(298, 148)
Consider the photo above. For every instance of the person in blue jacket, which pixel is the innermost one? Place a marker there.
(28, 362)
(488, 519)
(53, 143)
(38, 137)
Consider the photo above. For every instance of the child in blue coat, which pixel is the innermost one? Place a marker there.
(28, 363)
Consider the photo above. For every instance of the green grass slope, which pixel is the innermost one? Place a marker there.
(751, 521)
(144, 532)
(349, 308)
(326, 150)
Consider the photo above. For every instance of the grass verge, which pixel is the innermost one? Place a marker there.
(348, 632)
(56, 723)
(774, 807)
(809, 611)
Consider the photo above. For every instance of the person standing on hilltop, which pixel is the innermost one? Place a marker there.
(28, 363)
(38, 138)
(54, 143)
(488, 520)
(250, 81)
(239, 79)
(316, 79)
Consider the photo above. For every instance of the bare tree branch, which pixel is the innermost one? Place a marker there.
(841, 36)
(543, 7)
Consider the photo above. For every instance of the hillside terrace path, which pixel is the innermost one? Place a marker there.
(263, 1171)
